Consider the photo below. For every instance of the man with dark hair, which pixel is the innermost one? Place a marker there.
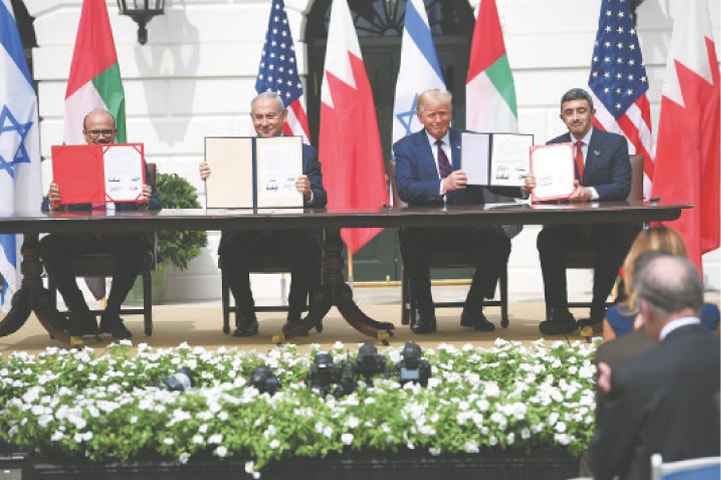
(664, 400)
(302, 247)
(129, 248)
(603, 172)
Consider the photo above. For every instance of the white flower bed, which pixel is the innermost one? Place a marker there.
(108, 408)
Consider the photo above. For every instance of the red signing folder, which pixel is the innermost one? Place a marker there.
(99, 173)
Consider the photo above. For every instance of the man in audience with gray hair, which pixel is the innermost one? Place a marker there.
(666, 399)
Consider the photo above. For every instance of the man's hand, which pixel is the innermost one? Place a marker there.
(302, 184)
(456, 180)
(604, 378)
(147, 192)
(54, 197)
(529, 184)
(580, 193)
(204, 170)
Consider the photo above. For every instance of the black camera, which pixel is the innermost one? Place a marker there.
(324, 373)
(369, 363)
(179, 381)
(264, 380)
(413, 367)
(348, 379)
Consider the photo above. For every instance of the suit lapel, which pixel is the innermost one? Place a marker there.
(455, 139)
(424, 152)
(594, 154)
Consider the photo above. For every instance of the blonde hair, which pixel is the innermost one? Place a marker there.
(434, 97)
(657, 239)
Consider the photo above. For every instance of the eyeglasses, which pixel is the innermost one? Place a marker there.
(96, 133)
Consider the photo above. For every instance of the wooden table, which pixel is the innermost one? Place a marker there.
(334, 290)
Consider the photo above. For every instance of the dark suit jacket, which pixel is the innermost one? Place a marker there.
(662, 401)
(416, 174)
(607, 168)
(616, 351)
(311, 167)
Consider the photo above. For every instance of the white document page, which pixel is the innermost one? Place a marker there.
(124, 172)
(230, 184)
(475, 153)
(510, 159)
(552, 165)
(279, 162)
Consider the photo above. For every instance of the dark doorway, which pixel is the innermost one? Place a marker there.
(379, 25)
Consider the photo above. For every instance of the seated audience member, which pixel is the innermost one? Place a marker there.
(130, 248)
(603, 172)
(619, 318)
(427, 173)
(301, 247)
(664, 400)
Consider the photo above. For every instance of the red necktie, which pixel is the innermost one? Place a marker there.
(444, 166)
(579, 160)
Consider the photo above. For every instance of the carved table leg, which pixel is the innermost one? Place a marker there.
(335, 292)
(32, 295)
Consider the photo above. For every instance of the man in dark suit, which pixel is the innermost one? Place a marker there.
(302, 247)
(130, 248)
(664, 400)
(428, 172)
(605, 174)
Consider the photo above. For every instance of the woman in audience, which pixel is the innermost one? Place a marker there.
(620, 317)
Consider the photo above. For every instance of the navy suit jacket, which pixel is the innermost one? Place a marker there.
(311, 167)
(416, 174)
(607, 168)
(665, 400)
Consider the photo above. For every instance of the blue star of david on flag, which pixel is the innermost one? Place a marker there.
(406, 118)
(9, 126)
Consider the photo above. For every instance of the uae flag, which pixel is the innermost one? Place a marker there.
(94, 80)
(490, 93)
(687, 149)
(349, 146)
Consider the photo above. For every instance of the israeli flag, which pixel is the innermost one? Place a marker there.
(20, 175)
(419, 70)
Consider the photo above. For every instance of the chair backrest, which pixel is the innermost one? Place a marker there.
(636, 192)
(153, 170)
(706, 468)
(397, 202)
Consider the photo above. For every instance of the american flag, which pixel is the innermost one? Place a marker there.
(278, 71)
(619, 83)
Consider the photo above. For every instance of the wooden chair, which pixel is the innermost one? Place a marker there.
(262, 263)
(582, 258)
(103, 265)
(444, 260)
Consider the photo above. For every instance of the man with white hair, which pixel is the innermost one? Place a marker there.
(665, 400)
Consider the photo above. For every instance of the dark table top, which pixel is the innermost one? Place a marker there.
(239, 219)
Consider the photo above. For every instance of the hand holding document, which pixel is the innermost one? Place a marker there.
(99, 173)
(495, 159)
(253, 172)
(552, 166)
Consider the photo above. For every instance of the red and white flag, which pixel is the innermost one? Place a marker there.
(688, 144)
(349, 146)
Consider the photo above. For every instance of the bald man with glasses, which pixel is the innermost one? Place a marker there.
(59, 249)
